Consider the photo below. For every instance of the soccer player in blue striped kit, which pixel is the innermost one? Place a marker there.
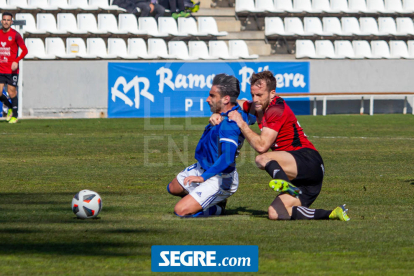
(206, 185)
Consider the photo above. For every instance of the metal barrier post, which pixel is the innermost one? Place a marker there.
(371, 106)
(324, 106)
(361, 110)
(314, 106)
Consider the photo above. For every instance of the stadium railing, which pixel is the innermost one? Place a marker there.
(355, 95)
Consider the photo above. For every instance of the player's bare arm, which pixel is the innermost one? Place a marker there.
(261, 143)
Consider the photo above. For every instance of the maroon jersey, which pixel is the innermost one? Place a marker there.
(9, 50)
(281, 118)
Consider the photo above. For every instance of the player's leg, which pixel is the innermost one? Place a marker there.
(176, 189)
(11, 89)
(4, 99)
(278, 164)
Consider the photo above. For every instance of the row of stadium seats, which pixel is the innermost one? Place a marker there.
(117, 48)
(359, 49)
(348, 26)
(55, 5)
(324, 6)
(128, 24)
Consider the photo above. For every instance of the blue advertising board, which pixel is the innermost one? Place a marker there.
(179, 89)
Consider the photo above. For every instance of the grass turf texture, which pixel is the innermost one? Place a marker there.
(369, 165)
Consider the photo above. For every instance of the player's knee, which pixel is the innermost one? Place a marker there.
(261, 161)
(273, 215)
(181, 210)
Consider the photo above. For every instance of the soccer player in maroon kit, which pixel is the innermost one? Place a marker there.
(10, 41)
(294, 163)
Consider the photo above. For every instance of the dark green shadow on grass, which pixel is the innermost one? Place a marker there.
(78, 248)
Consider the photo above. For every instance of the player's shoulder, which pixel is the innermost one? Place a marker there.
(276, 108)
(228, 124)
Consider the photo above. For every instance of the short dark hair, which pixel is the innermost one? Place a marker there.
(7, 13)
(267, 77)
(228, 86)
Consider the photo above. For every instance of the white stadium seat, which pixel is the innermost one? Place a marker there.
(274, 26)
(392, 6)
(405, 26)
(56, 47)
(36, 49)
(305, 49)
(398, 49)
(138, 47)
(293, 25)
(368, 26)
(208, 25)
(218, 48)
(357, 6)
(21, 4)
(313, 25)
(343, 48)
(324, 49)
(96, 47)
(30, 26)
(67, 22)
(380, 49)
(321, 6)
(75, 47)
(149, 25)
(187, 27)
(408, 6)
(42, 4)
(107, 22)
(5, 6)
(61, 4)
(386, 25)
(265, 6)
(339, 6)
(167, 25)
(179, 50)
(350, 26)
(375, 6)
(87, 22)
(238, 48)
(104, 5)
(83, 5)
(198, 49)
(284, 5)
(117, 47)
(332, 25)
(128, 23)
(302, 6)
(410, 44)
(46, 21)
(157, 47)
(245, 6)
(361, 49)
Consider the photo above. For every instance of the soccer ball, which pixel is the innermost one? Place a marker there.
(86, 204)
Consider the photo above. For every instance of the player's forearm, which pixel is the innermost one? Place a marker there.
(254, 139)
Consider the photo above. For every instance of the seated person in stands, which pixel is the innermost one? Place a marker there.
(176, 7)
(147, 7)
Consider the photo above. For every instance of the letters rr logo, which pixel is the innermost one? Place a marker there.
(134, 83)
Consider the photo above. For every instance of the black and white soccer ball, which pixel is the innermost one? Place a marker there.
(86, 204)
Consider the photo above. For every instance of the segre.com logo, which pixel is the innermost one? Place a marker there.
(205, 258)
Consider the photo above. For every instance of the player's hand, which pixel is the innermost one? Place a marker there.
(236, 116)
(193, 179)
(215, 119)
(14, 66)
(151, 7)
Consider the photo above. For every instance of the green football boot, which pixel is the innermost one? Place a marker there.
(340, 213)
(9, 114)
(13, 120)
(284, 187)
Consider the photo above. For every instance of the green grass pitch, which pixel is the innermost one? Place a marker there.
(369, 166)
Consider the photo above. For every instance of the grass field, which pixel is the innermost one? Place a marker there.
(369, 165)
